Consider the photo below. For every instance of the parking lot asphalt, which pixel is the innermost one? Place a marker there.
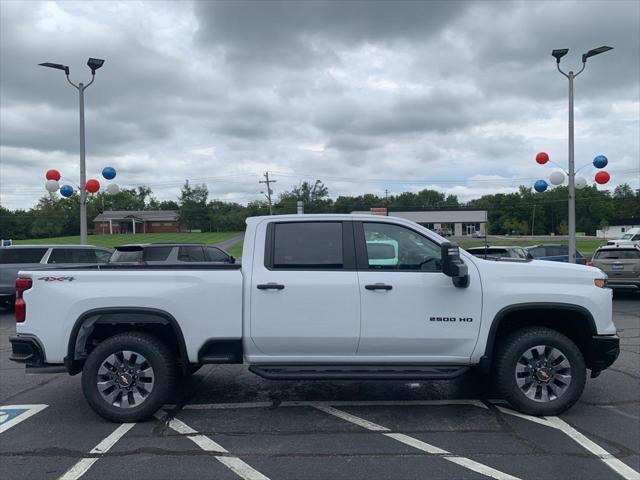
(225, 423)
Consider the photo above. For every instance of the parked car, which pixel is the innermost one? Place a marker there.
(478, 234)
(620, 263)
(170, 253)
(495, 252)
(554, 253)
(23, 257)
(320, 297)
(631, 237)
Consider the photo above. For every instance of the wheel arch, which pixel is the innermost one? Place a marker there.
(574, 319)
(113, 320)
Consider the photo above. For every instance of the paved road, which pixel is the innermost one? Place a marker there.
(228, 424)
(230, 242)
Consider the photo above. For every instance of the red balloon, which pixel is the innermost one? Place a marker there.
(53, 175)
(602, 177)
(542, 158)
(92, 186)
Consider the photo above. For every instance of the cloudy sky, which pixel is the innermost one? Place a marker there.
(366, 96)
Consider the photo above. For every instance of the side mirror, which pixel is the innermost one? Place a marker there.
(453, 266)
(232, 259)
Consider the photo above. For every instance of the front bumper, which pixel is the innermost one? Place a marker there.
(603, 351)
(614, 282)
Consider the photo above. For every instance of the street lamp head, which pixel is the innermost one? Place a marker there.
(595, 51)
(559, 53)
(56, 66)
(94, 64)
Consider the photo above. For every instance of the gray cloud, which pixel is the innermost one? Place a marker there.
(361, 94)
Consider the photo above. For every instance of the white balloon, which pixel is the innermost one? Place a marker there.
(557, 178)
(581, 182)
(113, 188)
(51, 186)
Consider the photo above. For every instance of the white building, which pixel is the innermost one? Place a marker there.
(617, 229)
(459, 222)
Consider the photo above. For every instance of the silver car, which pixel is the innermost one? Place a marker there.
(620, 263)
(24, 257)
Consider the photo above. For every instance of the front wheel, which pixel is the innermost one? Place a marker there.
(540, 371)
(128, 377)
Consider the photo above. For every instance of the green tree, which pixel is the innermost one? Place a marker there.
(193, 211)
(315, 197)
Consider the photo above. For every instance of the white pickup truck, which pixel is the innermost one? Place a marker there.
(321, 297)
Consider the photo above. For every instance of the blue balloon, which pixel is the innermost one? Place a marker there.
(109, 173)
(540, 186)
(66, 191)
(600, 161)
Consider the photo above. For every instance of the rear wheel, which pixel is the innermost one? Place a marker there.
(128, 377)
(540, 371)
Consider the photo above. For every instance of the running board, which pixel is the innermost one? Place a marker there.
(358, 372)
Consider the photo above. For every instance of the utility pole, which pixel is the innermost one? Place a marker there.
(269, 191)
(533, 219)
(386, 202)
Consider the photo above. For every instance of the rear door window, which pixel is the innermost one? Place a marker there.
(72, 255)
(21, 255)
(557, 251)
(191, 254)
(156, 254)
(537, 252)
(312, 245)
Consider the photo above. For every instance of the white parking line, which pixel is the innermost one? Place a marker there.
(419, 444)
(20, 417)
(81, 467)
(237, 466)
(337, 403)
(612, 462)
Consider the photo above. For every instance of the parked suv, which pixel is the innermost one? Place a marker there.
(620, 263)
(493, 252)
(554, 253)
(173, 253)
(23, 257)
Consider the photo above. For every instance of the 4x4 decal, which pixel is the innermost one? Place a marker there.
(57, 279)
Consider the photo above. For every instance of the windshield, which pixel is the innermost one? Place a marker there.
(626, 236)
(126, 256)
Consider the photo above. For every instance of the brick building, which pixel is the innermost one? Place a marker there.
(137, 221)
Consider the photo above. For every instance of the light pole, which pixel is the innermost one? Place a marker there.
(94, 64)
(558, 54)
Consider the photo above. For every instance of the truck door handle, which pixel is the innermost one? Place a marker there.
(270, 286)
(378, 286)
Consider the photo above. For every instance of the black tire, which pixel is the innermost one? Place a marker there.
(518, 344)
(158, 357)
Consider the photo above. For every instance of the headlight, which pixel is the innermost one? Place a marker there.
(600, 282)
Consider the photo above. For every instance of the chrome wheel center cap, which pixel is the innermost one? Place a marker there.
(125, 380)
(544, 374)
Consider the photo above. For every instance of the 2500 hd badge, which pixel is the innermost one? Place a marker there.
(451, 319)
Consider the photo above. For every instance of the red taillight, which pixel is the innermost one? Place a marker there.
(589, 264)
(22, 284)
